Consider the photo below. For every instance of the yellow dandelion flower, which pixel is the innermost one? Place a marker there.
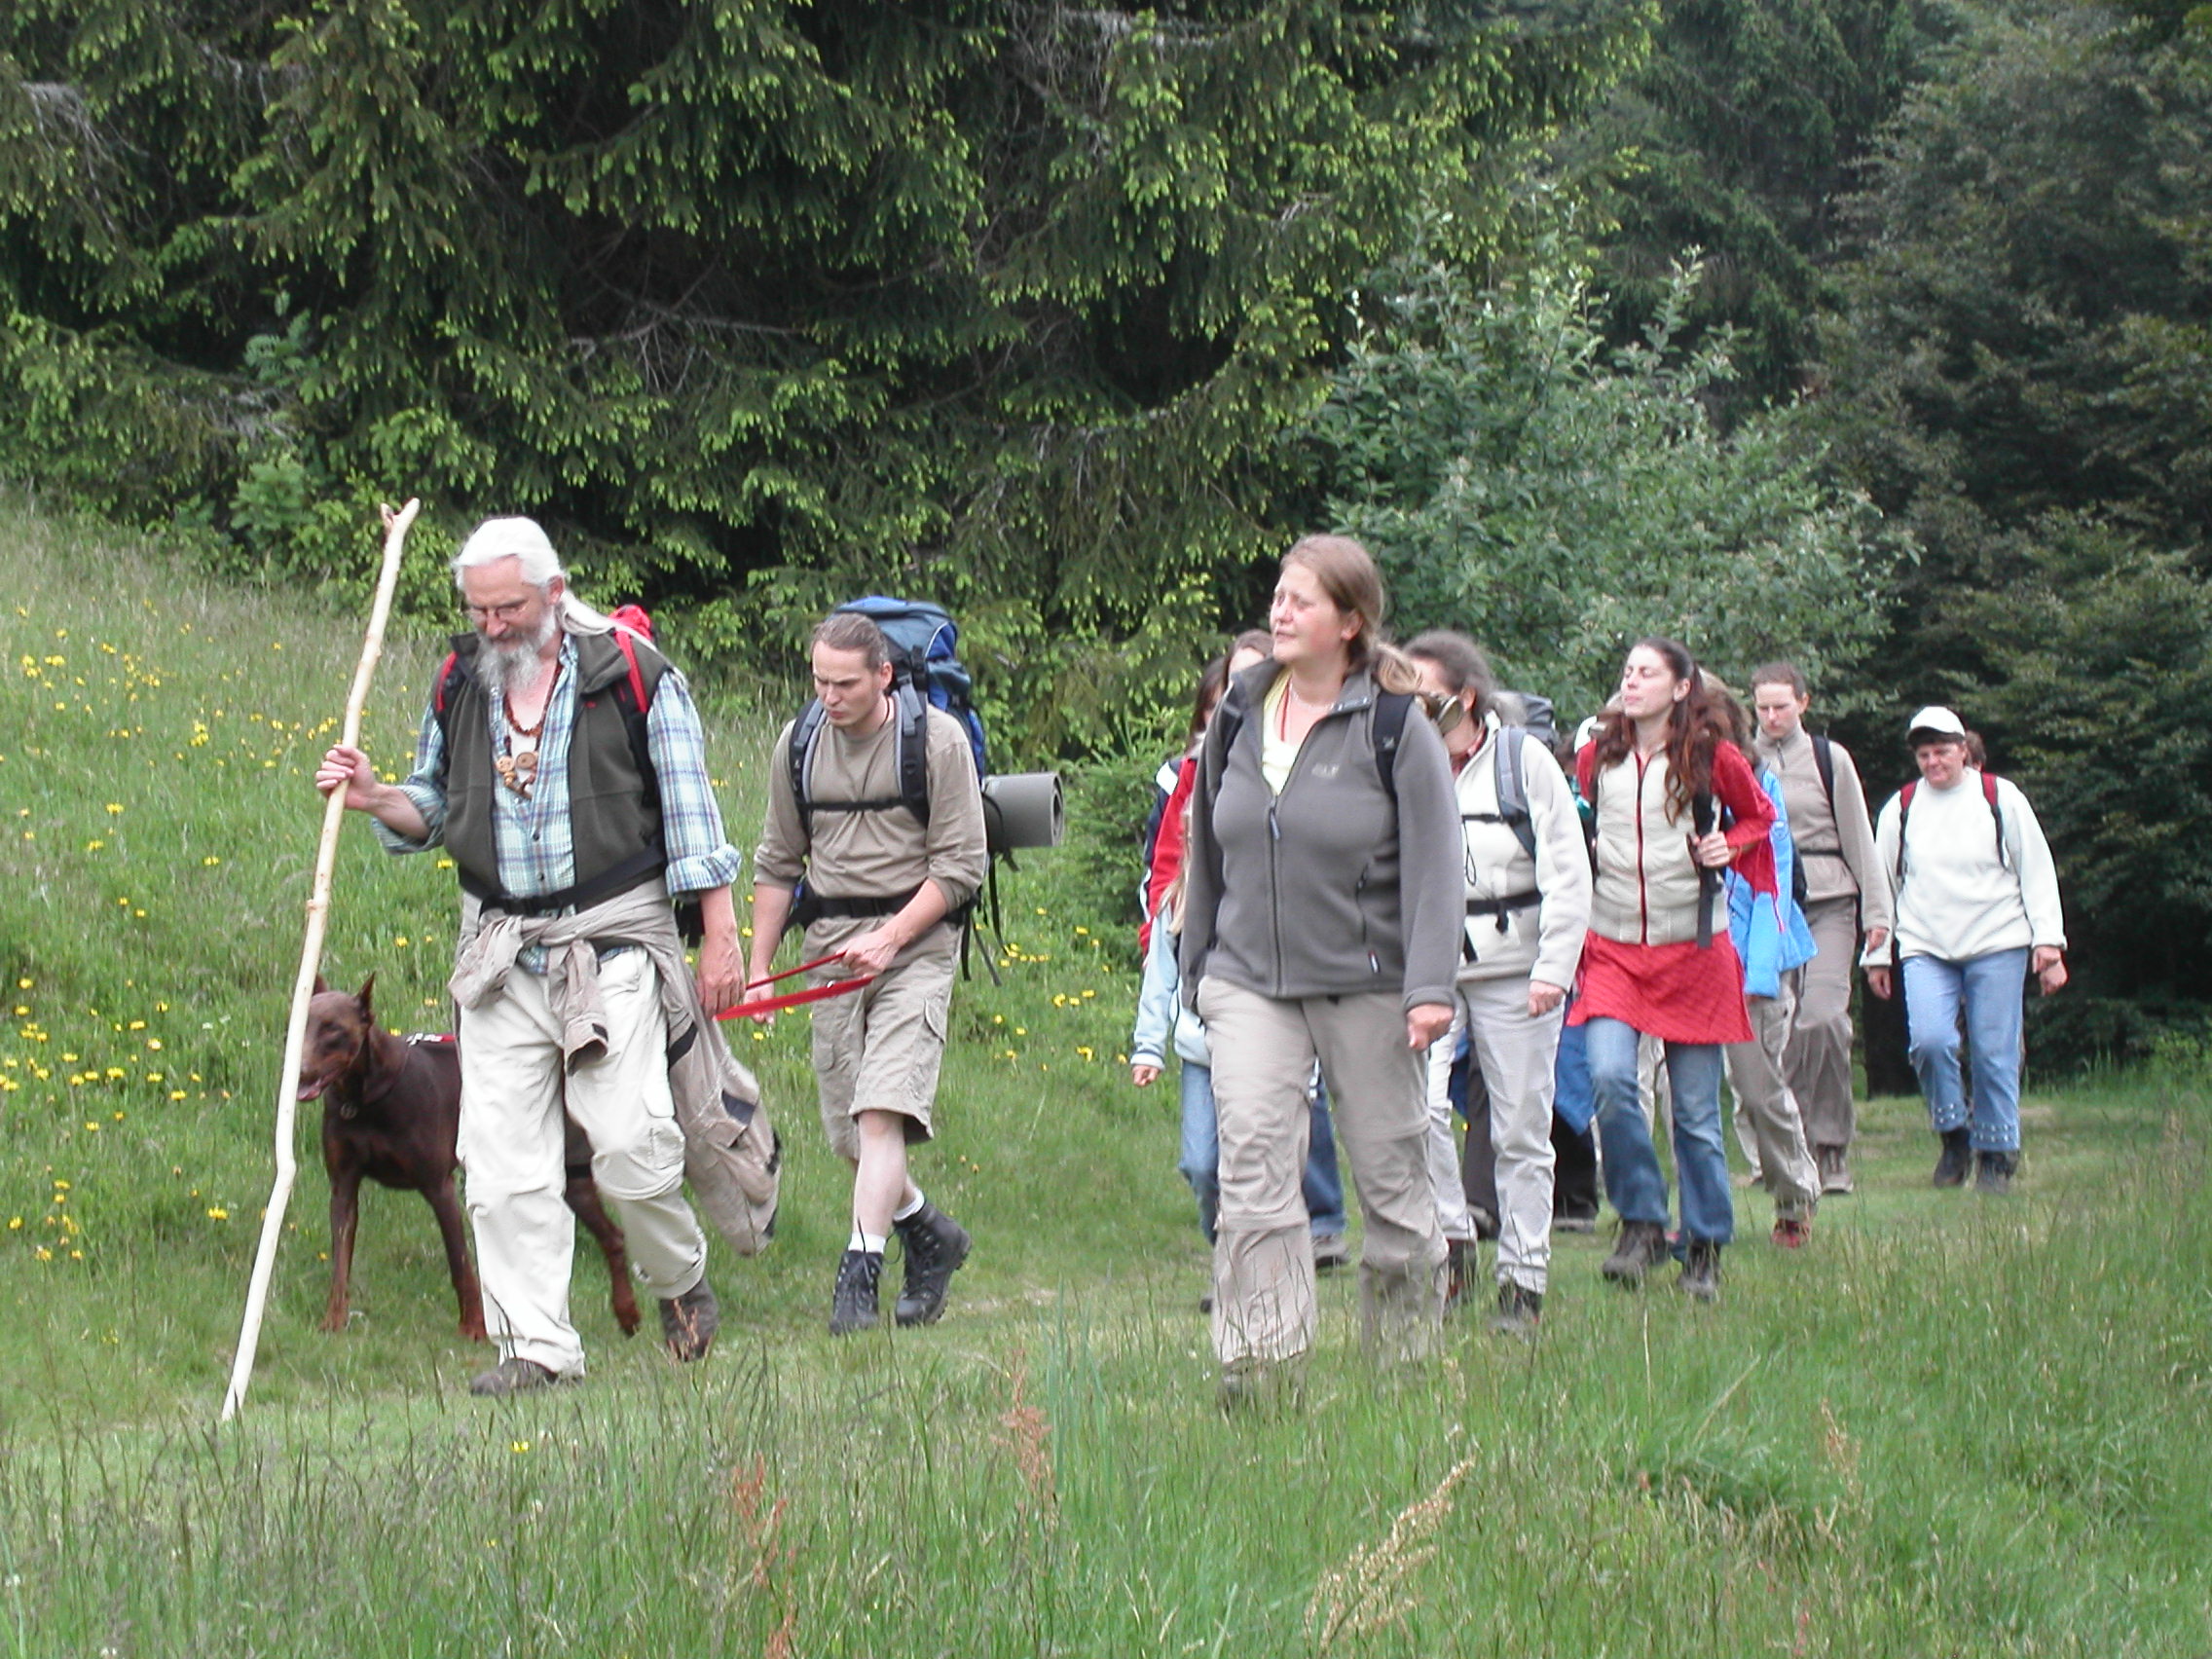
(114, 808)
(218, 1213)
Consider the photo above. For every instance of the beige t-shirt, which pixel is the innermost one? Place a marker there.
(882, 852)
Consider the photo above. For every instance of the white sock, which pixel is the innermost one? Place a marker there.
(871, 1243)
(908, 1212)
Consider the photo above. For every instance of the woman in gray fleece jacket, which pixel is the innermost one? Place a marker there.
(1322, 920)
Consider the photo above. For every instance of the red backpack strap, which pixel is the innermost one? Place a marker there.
(445, 678)
(622, 638)
(1995, 817)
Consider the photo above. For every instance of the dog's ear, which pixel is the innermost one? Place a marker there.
(368, 985)
(320, 984)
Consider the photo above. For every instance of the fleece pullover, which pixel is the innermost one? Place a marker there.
(1959, 900)
(1332, 886)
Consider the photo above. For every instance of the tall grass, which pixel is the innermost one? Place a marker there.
(1949, 1427)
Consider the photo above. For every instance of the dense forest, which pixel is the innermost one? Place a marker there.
(1869, 332)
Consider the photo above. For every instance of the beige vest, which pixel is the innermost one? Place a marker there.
(1647, 885)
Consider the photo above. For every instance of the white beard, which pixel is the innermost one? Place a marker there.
(508, 664)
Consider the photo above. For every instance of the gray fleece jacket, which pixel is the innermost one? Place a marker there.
(1333, 888)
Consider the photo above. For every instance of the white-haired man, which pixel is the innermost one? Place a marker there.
(563, 768)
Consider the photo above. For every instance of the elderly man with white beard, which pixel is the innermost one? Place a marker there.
(562, 766)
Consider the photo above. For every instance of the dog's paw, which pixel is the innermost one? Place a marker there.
(473, 1331)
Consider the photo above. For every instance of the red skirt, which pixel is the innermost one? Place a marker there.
(1676, 992)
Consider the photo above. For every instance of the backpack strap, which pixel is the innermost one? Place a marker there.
(1703, 818)
(911, 750)
(1904, 811)
(1513, 785)
(1824, 760)
(1389, 731)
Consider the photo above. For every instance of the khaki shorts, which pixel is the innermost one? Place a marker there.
(878, 1049)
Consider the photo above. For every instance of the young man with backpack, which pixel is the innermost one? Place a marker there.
(873, 803)
(1977, 910)
(1846, 900)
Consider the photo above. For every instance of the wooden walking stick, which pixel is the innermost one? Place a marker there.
(311, 962)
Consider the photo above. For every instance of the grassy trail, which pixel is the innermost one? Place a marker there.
(1949, 1427)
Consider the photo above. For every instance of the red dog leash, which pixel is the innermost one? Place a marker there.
(792, 998)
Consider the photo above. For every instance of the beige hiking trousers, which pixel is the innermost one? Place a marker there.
(512, 1142)
(1819, 1059)
(1767, 1109)
(1263, 1049)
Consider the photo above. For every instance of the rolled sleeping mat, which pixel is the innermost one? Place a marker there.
(1024, 810)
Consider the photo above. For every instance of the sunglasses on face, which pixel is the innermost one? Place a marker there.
(1444, 712)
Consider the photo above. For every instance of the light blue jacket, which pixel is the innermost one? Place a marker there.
(1161, 1017)
(1770, 935)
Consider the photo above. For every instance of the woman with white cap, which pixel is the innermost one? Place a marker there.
(1977, 911)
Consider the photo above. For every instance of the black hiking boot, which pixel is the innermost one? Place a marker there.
(1642, 1245)
(1994, 1171)
(1458, 1274)
(1952, 1167)
(1518, 1312)
(852, 1304)
(688, 1322)
(935, 1247)
(1701, 1269)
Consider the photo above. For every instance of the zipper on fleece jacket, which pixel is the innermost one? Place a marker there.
(1275, 825)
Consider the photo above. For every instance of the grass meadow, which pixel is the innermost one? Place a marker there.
(1950, 1428)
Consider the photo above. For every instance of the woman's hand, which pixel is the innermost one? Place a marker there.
(1543, 998)
(1426, 1022)
(2049, 964)
(1144, 1076)
(1711, 851)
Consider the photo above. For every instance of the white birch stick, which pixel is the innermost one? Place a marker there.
(311, 963)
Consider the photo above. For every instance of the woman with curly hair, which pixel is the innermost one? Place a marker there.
(1676, 804)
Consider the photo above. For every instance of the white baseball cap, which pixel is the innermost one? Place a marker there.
(1936, 722)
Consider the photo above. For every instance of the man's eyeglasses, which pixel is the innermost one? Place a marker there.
(1444, 712)
(511, 611)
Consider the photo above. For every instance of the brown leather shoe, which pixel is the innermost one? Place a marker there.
(688, 1322)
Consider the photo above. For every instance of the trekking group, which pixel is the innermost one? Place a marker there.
(1377, 896)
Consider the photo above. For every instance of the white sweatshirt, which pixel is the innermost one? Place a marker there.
(1959, 901)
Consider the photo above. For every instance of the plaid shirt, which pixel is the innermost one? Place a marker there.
(531, 833)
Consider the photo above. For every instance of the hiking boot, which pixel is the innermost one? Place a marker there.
(852, 1304)
(1792, 1231)
(1259, 1386)
(1330, 1252)
(1701, 1269)
(1517, 1310)
(1459, 1265)
(515, 1376)
(935, 1245)
(688, 1322)
(1642, 1246)
(1836, 1170)
(1958, 1158)
(1993, 1172)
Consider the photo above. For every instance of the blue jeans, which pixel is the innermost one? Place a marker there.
(1633, 1179)
(1991, 987)
(1199, 1159)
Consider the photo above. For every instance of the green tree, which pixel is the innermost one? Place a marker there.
(1741, 137)
(757, 302)
(1557, 498)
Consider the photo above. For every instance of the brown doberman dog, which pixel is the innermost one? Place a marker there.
(392, 1112)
